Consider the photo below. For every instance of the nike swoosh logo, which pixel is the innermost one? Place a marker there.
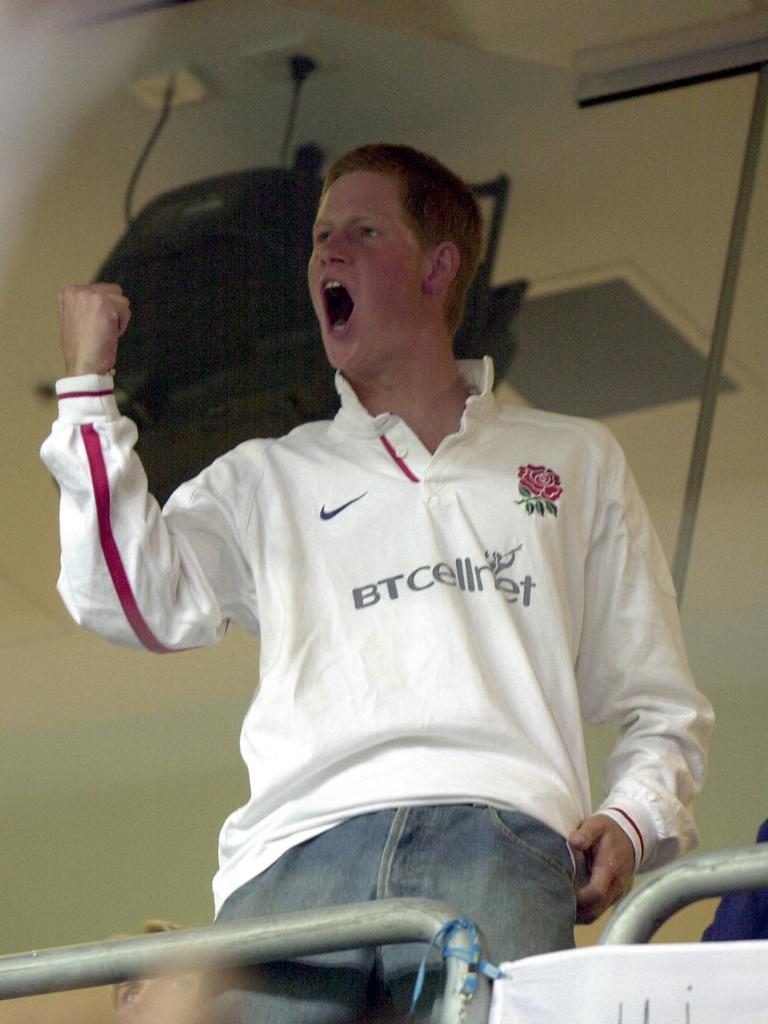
(330, 513)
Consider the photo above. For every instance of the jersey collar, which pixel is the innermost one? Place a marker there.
(355, 418)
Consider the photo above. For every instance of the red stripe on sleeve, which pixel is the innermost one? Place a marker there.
(100, 483)
(635, 829)
(397, 460)
(86, 394)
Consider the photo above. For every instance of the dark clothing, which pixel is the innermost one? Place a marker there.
(741, 915)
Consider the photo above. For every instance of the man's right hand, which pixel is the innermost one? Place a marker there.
(93, 316)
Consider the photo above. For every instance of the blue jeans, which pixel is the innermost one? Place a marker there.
(508, 872)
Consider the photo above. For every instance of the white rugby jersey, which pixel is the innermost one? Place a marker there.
(433, 627)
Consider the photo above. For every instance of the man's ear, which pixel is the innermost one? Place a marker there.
(442, 267)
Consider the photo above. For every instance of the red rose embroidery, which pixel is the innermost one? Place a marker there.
(540, 488)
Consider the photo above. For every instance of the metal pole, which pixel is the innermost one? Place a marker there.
(647, 907)
(238, 944)
(714, 366)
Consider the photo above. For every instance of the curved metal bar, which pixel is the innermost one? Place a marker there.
(641, 912)
(237, 944)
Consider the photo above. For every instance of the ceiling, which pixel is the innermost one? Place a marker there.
(642, 190)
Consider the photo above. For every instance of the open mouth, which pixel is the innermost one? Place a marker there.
(338, 304)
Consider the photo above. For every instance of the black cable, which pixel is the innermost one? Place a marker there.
(301, 68)
(170, 91)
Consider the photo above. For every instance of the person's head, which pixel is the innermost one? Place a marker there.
(436, 204)
(166, 999)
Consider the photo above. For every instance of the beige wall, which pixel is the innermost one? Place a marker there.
(92, 1006)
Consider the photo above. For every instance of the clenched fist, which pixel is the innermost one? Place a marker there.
(93, 316)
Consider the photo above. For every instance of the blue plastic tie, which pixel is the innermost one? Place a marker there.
(469, 954)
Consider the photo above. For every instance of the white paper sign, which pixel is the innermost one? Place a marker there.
(663, 983)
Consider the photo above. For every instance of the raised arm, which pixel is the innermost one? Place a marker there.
(138, 576)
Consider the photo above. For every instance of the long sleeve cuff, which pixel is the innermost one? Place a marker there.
(87, 397)
(636, 823)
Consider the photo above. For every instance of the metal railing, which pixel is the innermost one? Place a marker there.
(642, 911)
(381, 922)
(260, 940)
